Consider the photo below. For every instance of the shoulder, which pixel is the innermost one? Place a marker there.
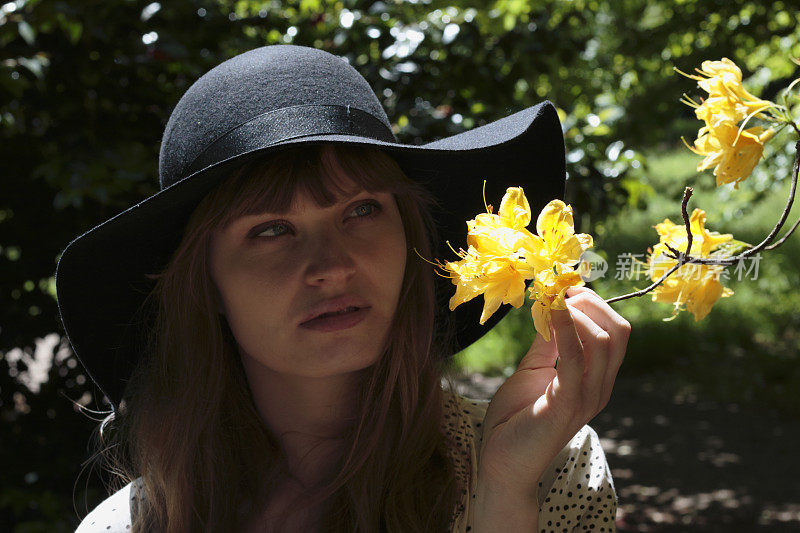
(113, 514)
(471, 407)
(578, 485)
(463, 417)
(462, 424)
(581, 462)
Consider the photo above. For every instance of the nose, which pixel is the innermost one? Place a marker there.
(329, 261)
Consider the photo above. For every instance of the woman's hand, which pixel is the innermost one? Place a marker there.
(538, 410)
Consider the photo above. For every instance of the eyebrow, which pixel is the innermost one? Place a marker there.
(338, 200)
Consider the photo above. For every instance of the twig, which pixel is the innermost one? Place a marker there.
(687, 193)
(797, 222)
(772, 234)
(684, 257)
(779, 242)
(647, 289)
(681, 256)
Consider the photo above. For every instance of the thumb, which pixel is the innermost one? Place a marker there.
(541, 354)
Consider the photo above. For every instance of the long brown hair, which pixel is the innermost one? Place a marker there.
(189, 426)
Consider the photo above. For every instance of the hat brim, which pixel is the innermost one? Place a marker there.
(101, 275)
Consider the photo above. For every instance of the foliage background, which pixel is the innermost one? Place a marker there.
(87, 87)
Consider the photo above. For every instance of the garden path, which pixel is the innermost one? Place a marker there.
(684, 463)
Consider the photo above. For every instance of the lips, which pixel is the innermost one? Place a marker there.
(336, 322)
(335, 306)
(348, 310)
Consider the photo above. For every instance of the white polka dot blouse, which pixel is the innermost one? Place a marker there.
(576, 493)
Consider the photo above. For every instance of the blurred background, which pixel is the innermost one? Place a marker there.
(702, 430)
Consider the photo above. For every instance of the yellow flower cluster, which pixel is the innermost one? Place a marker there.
(732, 150)
(693, 285)
(503, 254)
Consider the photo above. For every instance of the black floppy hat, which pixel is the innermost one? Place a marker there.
(268, 99)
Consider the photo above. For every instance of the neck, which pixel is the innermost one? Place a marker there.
(309, 415)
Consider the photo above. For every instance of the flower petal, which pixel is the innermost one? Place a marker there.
(492, 299)
(514, 208)
(541, 319)
(555, 223)
(703, 298)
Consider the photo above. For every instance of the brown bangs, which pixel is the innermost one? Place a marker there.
(327, 173)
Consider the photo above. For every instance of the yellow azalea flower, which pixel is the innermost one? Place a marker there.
(706, 293)
(488, 234)
(724, 79)
(465, 275)
(503, 254)
(503, 234)
(718, 110)
(548, 293)
(493, 265)
(703, 241)
(556, 245)
(496, 278)
(697, 287)
(732, 157)
(732, 153)
(514, 209)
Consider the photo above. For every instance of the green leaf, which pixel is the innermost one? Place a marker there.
(75, 30)
(730, 248)
(26, 32)
(33, 65)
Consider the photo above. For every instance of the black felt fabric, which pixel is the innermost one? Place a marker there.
(101, 277)
(257, 81)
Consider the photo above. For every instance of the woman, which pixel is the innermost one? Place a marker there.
(273, 346)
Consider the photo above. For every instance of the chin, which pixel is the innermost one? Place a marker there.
(343, 362)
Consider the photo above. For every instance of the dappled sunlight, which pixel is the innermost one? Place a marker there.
(31, 366)
(684, 463)
(784, 514)
(681, 462)
(649, 506)
(478, 386)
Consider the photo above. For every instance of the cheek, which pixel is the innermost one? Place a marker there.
(253, 317)
(252, 297)
(393, 258)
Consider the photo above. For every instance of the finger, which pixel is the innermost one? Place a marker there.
(601, 313)
(598, 310)
(569, 372)
(596, 353)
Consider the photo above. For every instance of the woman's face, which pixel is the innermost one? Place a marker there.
(275, 271)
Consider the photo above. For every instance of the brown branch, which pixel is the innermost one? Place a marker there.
(772, 234)
(687, 193)
(680, 256)
(644, 291)
(684, 257)
(794, 184)
(779, 242)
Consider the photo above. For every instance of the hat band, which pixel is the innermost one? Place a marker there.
(288, 123)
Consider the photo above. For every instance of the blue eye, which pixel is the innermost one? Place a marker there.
(272, 230)
(366, 209)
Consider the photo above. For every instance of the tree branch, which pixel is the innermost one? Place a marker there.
(684, 257)
(779, 242)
